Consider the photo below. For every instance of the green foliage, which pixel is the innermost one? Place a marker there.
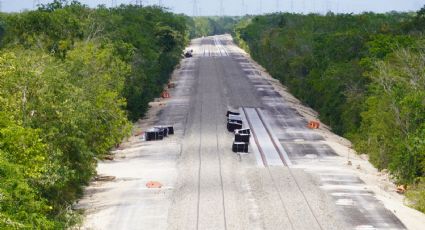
(328, 55)
(207, 26)
(392, 131)
(70, 77)
(365, 74)
(416, 195)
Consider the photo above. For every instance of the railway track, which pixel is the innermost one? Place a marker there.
(263, 143)
(272, 154)
(203, 147)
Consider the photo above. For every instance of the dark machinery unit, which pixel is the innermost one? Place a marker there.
(240, 147)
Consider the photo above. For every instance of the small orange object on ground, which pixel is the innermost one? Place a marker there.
(314, 124)
(165, 94)
(153, 184)
(401, 189)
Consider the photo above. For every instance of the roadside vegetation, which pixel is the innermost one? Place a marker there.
(207, 26)
(364, 74)
(71, 81)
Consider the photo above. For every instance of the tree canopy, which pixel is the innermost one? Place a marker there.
(72, 79)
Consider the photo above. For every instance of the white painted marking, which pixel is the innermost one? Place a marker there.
(270, 152)
(252, 143)
(365, 227)
(345, 202)
(344, 187)
(338, 194)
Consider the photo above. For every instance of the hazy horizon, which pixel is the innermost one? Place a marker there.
(242, 7)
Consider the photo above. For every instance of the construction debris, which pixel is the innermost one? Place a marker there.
(153, 184)
(314, 124)
(401, 189)
(104, 178)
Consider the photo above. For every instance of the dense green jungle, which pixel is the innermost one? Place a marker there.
(74, 78)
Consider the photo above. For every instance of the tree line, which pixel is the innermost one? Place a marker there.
(72, 79)
(213, 25)
(364, 74)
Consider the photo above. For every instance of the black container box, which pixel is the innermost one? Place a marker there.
(235, 119)
(241, 137)
(153, 135)
(232, 113)
(231, 126)
(170, 130)
(162, 130)
(243, 131)
(240, 147)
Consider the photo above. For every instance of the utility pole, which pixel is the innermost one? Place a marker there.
(159, 2)
(1, 5)
(277, 6)
(113, 3)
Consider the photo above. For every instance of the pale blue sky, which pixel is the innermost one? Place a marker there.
(235, 7)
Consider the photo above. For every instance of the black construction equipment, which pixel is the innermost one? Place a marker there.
(232, 113)
(158, 133)
(241, 137)
(243, 131)
(240, 147)
(235, 118)
(162, 130)
(233, 125)
(154, 135)
(188, 54)
(170, 130)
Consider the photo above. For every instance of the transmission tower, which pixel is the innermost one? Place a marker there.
(277, 6)
(195, 8)
(260, 7)
(292, 6)
(243, 10)
(221, 8)
(159, 2)
(1, 5)
(113, 3)
(328, 6)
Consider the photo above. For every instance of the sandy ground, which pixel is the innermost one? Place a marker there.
(206, 186)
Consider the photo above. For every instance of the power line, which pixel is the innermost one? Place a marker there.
(260, 7)
(277, 6)
(221, 8)
(292, 6)
(195, 8)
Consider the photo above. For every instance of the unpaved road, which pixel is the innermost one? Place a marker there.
(207, 186)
